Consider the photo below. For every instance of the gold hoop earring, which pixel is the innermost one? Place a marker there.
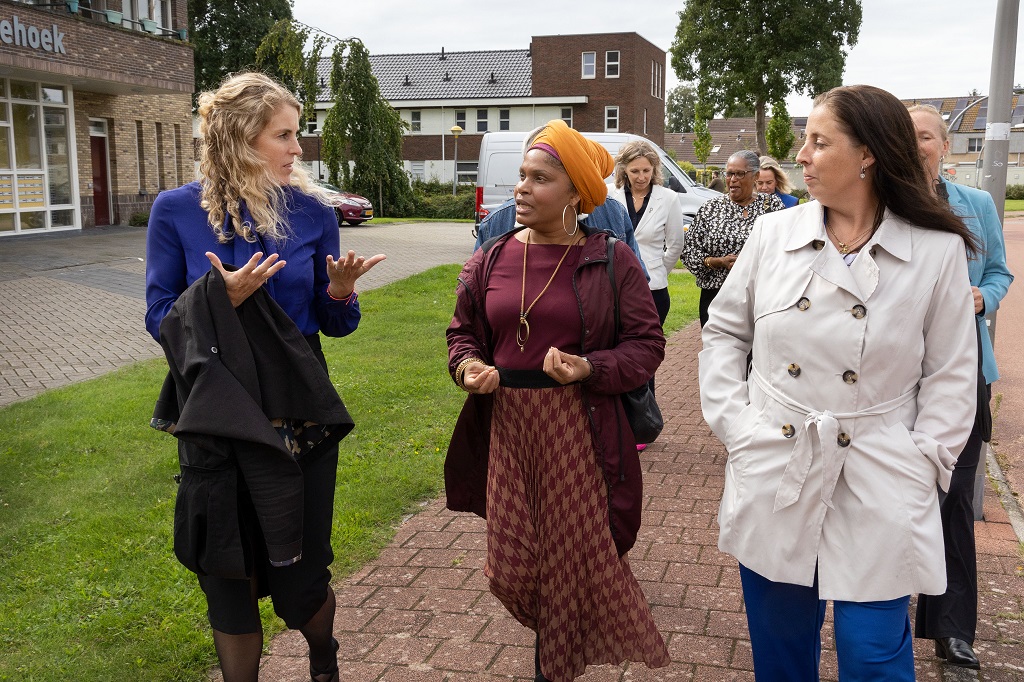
(575, 221)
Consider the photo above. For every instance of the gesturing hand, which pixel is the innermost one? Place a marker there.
(344, 273)
(480, 378)
(247, 279)
(565, 368)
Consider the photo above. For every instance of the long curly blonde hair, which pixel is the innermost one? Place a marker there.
(232, 171)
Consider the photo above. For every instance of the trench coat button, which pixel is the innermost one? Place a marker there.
(843, 439)
(859, 311)
(873, 252)
(803, 304)
(818, 244)
(850, 377)
(788, 431)
(213, 349)
(794, 370)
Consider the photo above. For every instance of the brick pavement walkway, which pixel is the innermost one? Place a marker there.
(421, 611)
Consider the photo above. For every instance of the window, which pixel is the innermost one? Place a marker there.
(589, 65)
(611, 64)
(974, 144)
(503, 119)
(175, 151)
(160, 169)
(611, 119)
(567, 116)
(467, 172)
(419, 170)
(140, 144)
(481, 120)
(157, 10)
(657, 80)
(415, 121)
(645, 120)
(460, 119)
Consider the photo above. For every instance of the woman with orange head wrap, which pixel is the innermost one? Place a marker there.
(535, 344)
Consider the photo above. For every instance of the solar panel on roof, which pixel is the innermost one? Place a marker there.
(979, 123)
(1017, 117)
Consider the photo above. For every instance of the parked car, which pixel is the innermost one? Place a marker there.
(351, 208)
(502, 153)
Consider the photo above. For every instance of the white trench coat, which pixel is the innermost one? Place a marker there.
(861, 396)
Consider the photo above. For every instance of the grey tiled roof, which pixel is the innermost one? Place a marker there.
(460, 75)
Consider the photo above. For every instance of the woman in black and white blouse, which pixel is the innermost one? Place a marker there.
(722, 225)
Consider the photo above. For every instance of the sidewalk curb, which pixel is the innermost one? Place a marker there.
(1006, 496)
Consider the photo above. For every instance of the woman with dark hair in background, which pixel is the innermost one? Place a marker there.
(543, 448)
(858, 313)
(722, 225)
(951, 619)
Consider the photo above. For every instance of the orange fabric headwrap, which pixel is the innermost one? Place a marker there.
(586, 162)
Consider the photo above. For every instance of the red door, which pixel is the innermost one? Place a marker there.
(100, 191)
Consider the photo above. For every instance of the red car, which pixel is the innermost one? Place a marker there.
(351, 208)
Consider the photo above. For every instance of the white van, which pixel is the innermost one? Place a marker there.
(501, 154)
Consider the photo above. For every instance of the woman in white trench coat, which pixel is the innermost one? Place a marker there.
(858, 312)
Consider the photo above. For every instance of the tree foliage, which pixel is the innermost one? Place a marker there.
(779, 133)
(227, 33)
(702, 136)
(760, 51)
(361, 138)
(364, 128)
(679, 109)
(282, 55)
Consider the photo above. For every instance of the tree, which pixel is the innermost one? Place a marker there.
(761, 51)
(702, 136)
(282, 55)
(226, 35)
(779, 133)
(679, 109)
(364, 128)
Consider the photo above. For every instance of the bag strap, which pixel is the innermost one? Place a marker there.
(611, 278)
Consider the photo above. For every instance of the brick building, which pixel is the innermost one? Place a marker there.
(608, 82)
(95, 110)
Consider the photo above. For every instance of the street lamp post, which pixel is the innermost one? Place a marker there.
(456, 130)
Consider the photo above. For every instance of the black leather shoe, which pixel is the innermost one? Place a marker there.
(957, 652)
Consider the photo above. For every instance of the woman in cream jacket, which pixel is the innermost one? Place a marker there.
(858, 313)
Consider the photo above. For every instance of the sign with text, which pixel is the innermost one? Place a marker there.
(15, 32)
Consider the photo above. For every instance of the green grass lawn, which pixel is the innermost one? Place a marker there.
(1013, 205)
(89, 586)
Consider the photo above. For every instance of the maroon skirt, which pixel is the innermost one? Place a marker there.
(551, 559)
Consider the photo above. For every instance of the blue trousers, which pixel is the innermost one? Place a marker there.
(873, 639)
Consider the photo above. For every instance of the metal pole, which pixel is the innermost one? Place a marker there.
(997, 143)
(455, 175)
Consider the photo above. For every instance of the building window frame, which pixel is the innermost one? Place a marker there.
(504, 119)
(482, 119)
(460, 118)
(612, 67)
(567, 116)
(611, 119)
(416, 121)
(975, 144)
(588, 65)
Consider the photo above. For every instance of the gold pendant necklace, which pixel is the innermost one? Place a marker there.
(523, 330)
(843, 247)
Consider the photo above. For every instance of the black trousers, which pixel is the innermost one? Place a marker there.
(955, 613)
(706, 297)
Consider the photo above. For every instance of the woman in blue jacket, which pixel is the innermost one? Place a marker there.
(951, 618)
(256, 209)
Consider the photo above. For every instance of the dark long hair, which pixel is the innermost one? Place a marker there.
(873, 117)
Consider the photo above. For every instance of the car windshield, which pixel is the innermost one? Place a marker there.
(327, 185)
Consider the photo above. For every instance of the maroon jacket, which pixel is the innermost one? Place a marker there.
(640, 350)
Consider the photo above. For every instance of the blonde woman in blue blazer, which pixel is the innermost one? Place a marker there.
(951, 618)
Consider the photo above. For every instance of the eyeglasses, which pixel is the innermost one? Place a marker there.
(739, 175)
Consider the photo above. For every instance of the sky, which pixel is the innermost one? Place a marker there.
(912, 48)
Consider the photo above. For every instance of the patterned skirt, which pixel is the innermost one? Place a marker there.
(551, 559)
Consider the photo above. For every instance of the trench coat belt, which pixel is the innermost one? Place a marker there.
(826, 424)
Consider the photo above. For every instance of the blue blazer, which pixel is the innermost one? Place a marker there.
(788, 200)
(988, 270)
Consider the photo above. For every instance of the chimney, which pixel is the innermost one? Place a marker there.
(442, 54)
(492, 79)
(406, 80)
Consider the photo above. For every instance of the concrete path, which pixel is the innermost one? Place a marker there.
(71, 308)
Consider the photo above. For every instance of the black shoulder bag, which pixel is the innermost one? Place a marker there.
(642, 409)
